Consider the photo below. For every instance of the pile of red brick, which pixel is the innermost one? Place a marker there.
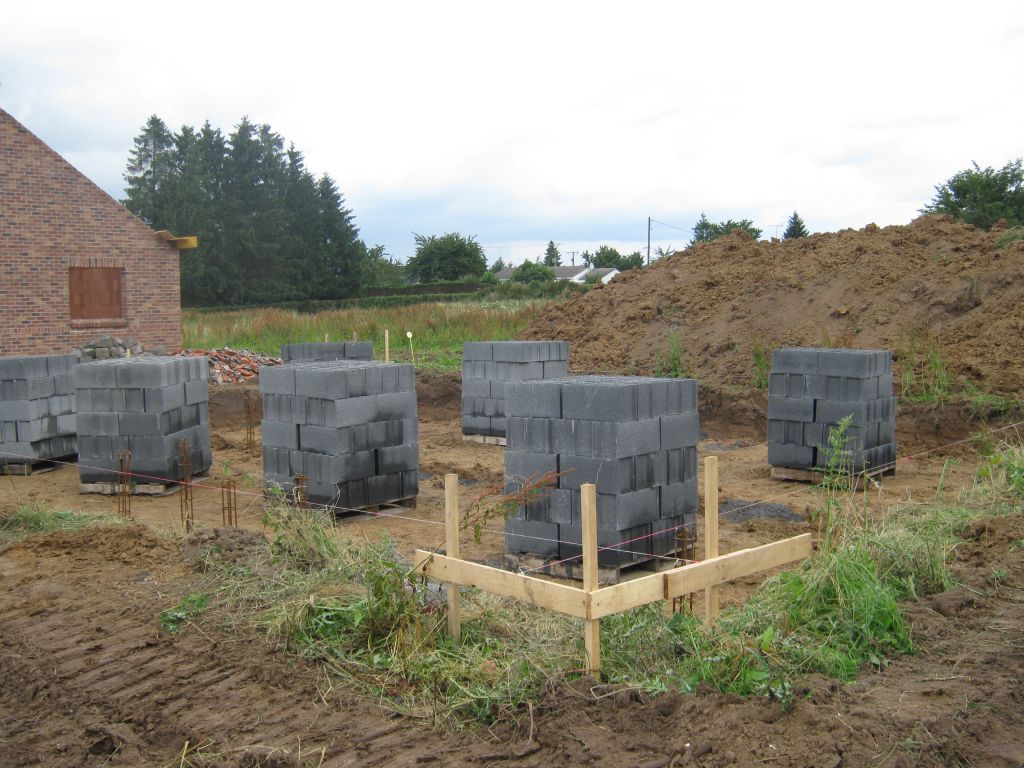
(231, 366)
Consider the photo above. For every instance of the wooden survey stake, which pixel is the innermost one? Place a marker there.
(710, 532)
(451, 548)
(591, 627)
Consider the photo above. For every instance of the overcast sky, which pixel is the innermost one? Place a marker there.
(527, 122)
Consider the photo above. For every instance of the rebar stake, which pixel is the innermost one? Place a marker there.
(228, 504)
(250, 425)
(683, 544)
(185, 476)
(301, 491)
(124, 484)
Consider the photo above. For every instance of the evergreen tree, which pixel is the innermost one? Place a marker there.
(795, 227)
(552, 258)
(149, 168)
(343, 255)
(498, 265)
(268, 229)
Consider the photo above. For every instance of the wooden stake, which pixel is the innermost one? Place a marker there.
(451, 546)
(591, 627)
(354, 336)
(710, 532)
(387, 347)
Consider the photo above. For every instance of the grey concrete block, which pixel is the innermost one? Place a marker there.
(477, 350)
(680, 431)
(161, 399)
(398, 458)
(197, 391)
(603, 398)
(534, 399)
(531, 536)
(146, 372)
(522, 468)
(791, 409)
(525, 371)
(857, 363)
(560, 506)
(359, 350)
(324, 383)
(148, 423)
(678, 499)
(795, 456)
(833, 411)
(475, 425)
(383, 434)
(795, 360)
(283, 435)
(98, 424)
(97, 374)
(610, 476)
(400, 405)
(519, 351)
(556, 369)
(529, 435)
(277, 379)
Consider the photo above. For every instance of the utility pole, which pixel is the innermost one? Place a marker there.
(648, 241)
(572, 254)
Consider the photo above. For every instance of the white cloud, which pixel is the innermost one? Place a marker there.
(469, 116)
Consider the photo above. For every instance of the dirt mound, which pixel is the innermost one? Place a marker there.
(876, 287)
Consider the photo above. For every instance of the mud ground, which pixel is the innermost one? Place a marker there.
(88, 679)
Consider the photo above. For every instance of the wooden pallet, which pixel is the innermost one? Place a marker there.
(535, 564)
(38, 467)
(407, 503)
(137, 489)
(816, 476)
(485, 439)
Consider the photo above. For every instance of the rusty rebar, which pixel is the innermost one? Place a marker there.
(228, 504)
(685, 547)
(124, 484)
(250, 425)
(301, 491)
(185, 477)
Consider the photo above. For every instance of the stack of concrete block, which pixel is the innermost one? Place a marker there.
(37, 408)
(486, 368)
(146, 405)
(634, 438)
(811, 390)
(349, 425)
(308, 352)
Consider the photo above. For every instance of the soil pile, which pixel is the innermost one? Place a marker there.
(934, 280)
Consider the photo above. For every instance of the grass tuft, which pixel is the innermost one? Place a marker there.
(35, 518)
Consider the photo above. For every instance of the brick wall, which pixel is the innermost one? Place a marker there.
(52, 218)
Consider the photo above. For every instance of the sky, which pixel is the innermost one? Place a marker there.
(525, 122)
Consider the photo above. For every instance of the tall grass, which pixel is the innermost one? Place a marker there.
(34, 518)
(375, 626)
(438, 329)
(924, 372)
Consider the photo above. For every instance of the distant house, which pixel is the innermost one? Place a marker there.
(74, 263)
(572, 274)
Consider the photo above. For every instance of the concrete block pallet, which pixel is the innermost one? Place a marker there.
(487, 366)
(811, 390)
(349, 425)
(146, 405)
(308, 352)
(635, 438)
(37, 411)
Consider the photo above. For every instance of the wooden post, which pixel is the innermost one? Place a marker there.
(710, 532)
(451, 547)
(355, 336)
(325, 337)
(387, 347)
(591, 627)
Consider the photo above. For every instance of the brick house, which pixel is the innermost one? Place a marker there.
(74, 263)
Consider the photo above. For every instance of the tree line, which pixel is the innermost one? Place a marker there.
(269, 230)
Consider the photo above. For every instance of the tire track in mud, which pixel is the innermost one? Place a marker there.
(88, 678)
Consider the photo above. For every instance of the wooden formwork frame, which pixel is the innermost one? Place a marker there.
(590, 602)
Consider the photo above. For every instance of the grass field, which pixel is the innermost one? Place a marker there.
(438, 330)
